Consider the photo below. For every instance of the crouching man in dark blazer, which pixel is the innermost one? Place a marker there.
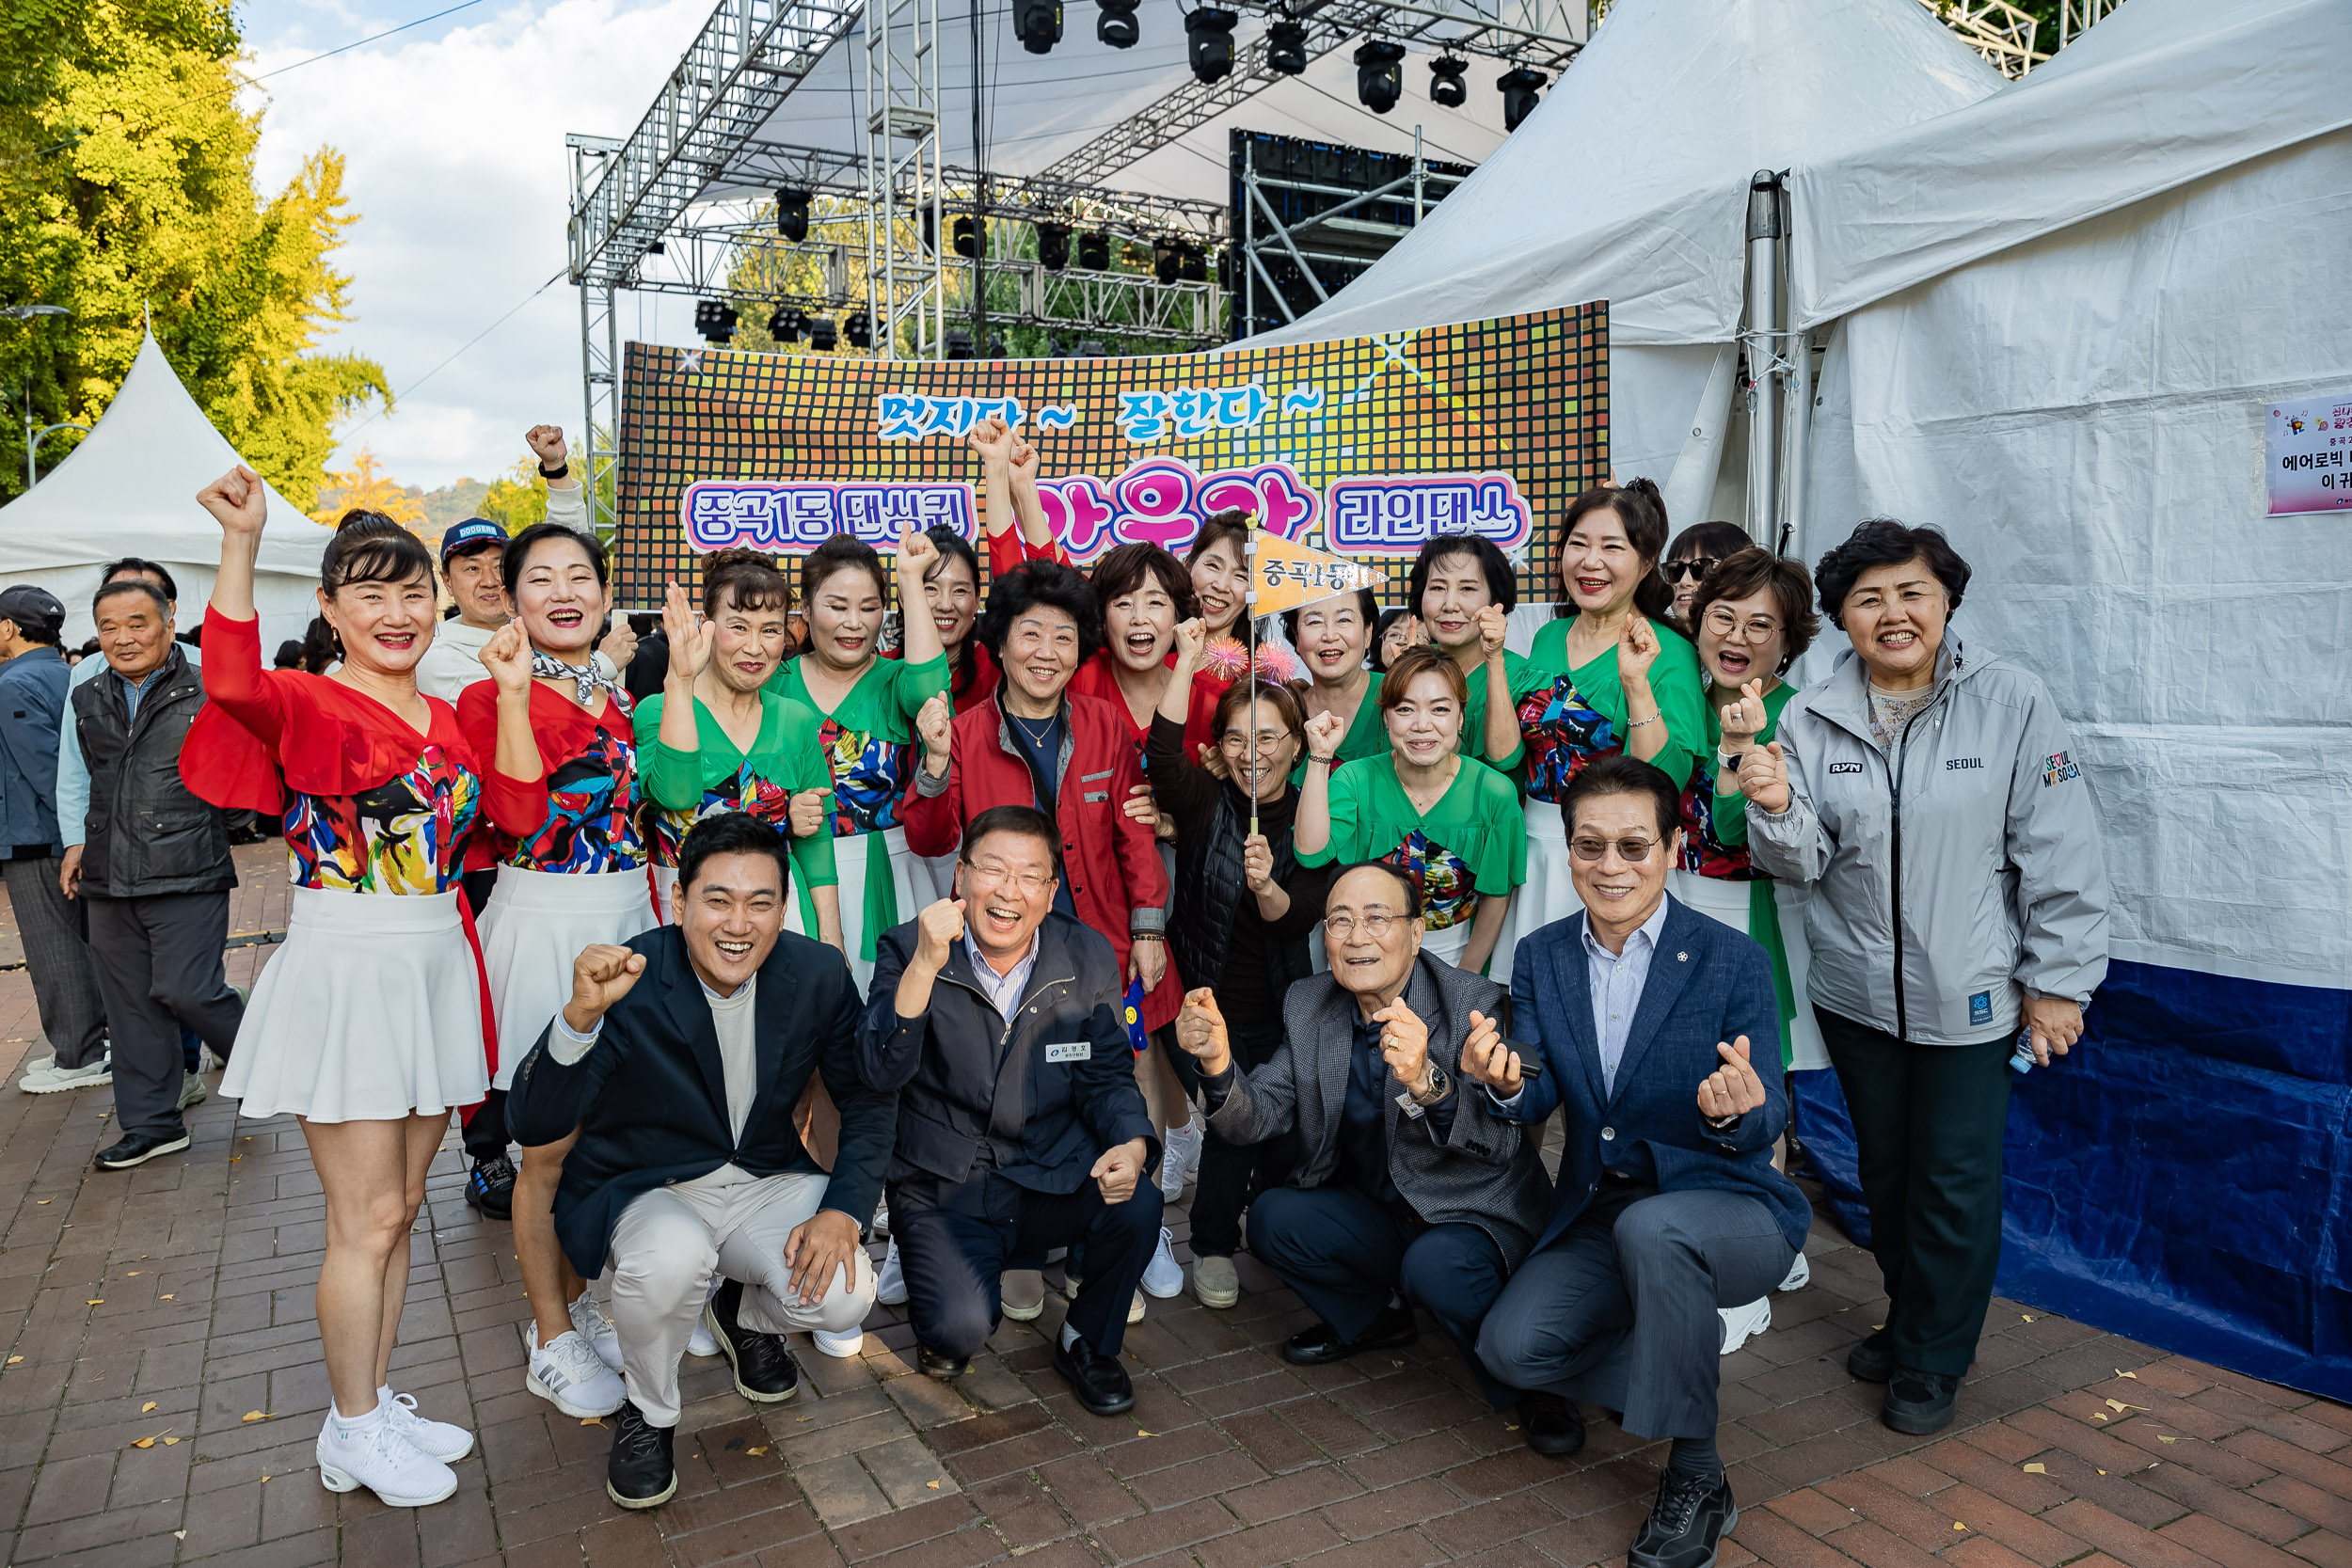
(680, 1058)
(999, 1021)
(1409, 1193)
(1641, 1015)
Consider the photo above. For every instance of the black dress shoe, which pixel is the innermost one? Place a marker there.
(1098, 1381)
(1550, 1424)
(1873, 1359)
(1686, 1525)
(136, 1148)
(764, 1369)
(640, 1473)
(1919, 1402)
(1321, 1345)
(939, 1364)
(490, 1187)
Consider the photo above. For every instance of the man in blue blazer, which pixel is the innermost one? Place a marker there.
(1637, 1018)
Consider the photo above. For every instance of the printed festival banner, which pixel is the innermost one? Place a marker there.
(2309, 446)
(1362, 447)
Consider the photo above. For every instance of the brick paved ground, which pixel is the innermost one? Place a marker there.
(174, 1302)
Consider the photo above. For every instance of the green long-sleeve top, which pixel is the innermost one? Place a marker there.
(687, 787)
(1471, 841)
(863, 741)
(1584, 714)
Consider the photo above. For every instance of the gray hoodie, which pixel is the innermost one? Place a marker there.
(1952, 878)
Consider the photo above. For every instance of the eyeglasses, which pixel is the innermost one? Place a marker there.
(1723, 623)
(1029, 882)
(1695, 568)
(1634, 851)
(1376, 924)
(1268, 740)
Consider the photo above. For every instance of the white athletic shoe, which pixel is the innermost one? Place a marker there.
(588, 1317)
(49, 1078)
(1741, 1323)
(1800, 1275)
(881, 1216)
(847, 1347)
(701, 1341)
(1164, 1277)
(377, 1454)
(433, 1439)
(570, 1375)
(890, 1286)
(1179, 1157)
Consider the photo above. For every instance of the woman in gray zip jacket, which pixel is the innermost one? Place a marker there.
(1959, 911)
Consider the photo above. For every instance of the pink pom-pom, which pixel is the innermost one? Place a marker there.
(1278, 665)
(1226, 658)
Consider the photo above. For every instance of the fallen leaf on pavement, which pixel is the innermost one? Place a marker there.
(147, 1406)
(255, 1416)
(2037, 1468)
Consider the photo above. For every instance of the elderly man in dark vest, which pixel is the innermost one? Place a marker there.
(151, 867)
(1409, 1193)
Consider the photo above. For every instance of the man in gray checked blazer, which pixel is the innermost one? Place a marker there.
(1408, 1194)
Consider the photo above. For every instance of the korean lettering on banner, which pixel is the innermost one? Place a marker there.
(1162, 501)
(1189, 413)
(797, 516)
(2310, 456)
(906, 417)
(1395, 514)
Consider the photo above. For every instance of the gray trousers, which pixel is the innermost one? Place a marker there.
(159, 966)
(1644, 1272)
(64, 989)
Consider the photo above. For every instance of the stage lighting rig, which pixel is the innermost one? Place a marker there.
(823, 334)
(1286, 48)
(714, 320)
(1094, 251)
(859, 329)
(1192, 264)
(1210, 43)
(1523, 89)
(1380, 74)
(1117, 25)
(1168, 260)
(968, 237)
(786, 324)
(958, 342)
(792, 214)
(1038, 25)
(1053, 245)
(1446, 88)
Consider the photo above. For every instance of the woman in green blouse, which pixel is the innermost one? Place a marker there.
(866, 706)
(1426, 807)
(712, 740)
(1608, 677)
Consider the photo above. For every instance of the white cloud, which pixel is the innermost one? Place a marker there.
(454, 159)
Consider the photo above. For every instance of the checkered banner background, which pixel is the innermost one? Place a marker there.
(1362, 446)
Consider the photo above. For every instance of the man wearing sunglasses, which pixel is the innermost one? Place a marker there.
(1639, 1016)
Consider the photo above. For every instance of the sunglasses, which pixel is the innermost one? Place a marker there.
(1695, 568)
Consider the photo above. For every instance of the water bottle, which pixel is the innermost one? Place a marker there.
(2020, 1059)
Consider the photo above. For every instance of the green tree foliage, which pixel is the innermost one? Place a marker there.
(126, 186)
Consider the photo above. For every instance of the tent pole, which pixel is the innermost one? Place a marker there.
(1762, 343)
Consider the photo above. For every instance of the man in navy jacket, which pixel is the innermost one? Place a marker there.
(1639, 1015)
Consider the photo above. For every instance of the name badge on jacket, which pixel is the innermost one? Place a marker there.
(1070, 1050)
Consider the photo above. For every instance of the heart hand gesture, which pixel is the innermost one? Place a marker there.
(1493, 625)
(1744, 718)
(1488, 1059)
(1732, 1089)
(1404, 1044)
(1201, 1031)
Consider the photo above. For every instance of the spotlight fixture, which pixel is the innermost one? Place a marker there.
(967, 237)
(997, 348)
(786, 324)
(1094, 250)
(958, 342)
(1286, 48)
(823, 334)
(859, 329)
(1192, 264)
(714, 320)
(1053, 245)
(1037, 24)
(792, 214)
(1380, 74)
(1210, 43)
(1168, 260)
(1522, 90)
(1092, 348)
(1116, 25)
(1446, 88)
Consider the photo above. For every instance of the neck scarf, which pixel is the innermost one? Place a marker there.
(585, 678)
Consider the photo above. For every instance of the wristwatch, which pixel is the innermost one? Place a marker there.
(1440, 1087)
(561, 470)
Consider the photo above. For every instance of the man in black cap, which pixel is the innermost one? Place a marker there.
(33, 677)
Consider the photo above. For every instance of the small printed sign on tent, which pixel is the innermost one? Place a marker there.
(2309, 453)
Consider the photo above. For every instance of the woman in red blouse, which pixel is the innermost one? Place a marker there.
(368, 1024)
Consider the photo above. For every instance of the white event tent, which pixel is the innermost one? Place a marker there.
(130, 489)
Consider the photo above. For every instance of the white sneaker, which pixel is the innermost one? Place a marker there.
(1741, 1323)
(570, 1375)
(49, 1078)
(1135, 1308)
(377, 1454)
(890, 1286)
(433, 1439)
(848, 1347)
(588, 1317)
(1800, 1275)
(881, 1216)
(1164, 1277)
(701, 1341)
(1179, 1157)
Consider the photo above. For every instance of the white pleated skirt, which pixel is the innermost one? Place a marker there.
(536, 924)
(911, 881)
(1723, 899)
(1445, 945)
(1547, 895)
(369, 1010)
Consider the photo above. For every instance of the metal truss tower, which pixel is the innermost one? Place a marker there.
(903, 179)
